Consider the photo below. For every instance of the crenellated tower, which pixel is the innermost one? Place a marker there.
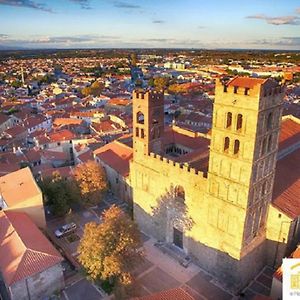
(246, 124)
(148, 123)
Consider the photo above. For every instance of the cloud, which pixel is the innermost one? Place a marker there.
(123, 4)
(26, 3)
(283, 41)
(158, 21)
(84, 4)
(298, 10)
(201, 27)
(284, 20)
(84, 41)
(3, 36)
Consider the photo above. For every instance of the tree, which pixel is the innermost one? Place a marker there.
(59, 193)
(161, 83)
(96, 88)
(86, 91)
(91, 180)
(111, 250)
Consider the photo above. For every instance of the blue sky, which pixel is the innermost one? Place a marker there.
(261, 24)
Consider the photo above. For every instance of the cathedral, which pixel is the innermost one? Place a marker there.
(217, 198)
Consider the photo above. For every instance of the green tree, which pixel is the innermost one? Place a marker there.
(151, 82)
(59, 193)
(111, 250)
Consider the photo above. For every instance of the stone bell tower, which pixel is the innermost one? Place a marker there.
(148, 122)
(246, 124)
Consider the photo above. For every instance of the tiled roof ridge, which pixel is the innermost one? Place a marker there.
(292, 118)
(23, 261)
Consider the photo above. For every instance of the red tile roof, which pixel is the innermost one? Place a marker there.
(286, 192)
(245, 82)
(62, 135)
(117, 156)
(24, 250)
(289, 133)
(18, 186)
(172, 294)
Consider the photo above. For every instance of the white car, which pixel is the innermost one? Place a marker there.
(65, 229)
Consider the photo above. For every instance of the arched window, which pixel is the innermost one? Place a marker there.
(229, 120)
(269, 121)
(239, 122)
(236, 146)
(226, 144)
(179, 192)
(140, 118)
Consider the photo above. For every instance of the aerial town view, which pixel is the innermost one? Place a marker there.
(149, 150)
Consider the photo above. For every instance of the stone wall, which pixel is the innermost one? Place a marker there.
(39, 286)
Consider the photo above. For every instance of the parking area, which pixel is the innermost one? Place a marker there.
(80, 216)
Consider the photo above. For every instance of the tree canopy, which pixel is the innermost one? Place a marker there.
(91, 180)
(59, 194)
(110, 250)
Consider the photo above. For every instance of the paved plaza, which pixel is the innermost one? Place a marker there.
(159, 271)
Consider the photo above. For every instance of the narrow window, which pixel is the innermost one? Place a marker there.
(246, 91)
(264, 146)
(269, 143)
(229, 120)
(235, 89)
(226, 144)
(236, 146)
(136, 132)
(225, 89)
(263, 189)
(239, 122)
(142, 133)
(269, 121)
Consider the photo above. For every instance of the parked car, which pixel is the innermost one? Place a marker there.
(65, 229)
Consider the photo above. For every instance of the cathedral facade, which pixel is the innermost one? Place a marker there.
(209, 195)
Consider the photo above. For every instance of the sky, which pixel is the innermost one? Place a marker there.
(210, 24)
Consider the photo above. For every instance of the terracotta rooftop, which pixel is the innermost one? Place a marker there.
(287, 185)
(245, 82)
(24, 250)
(18, 186)
(117, 156)
(289, 132)
(62, 135)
